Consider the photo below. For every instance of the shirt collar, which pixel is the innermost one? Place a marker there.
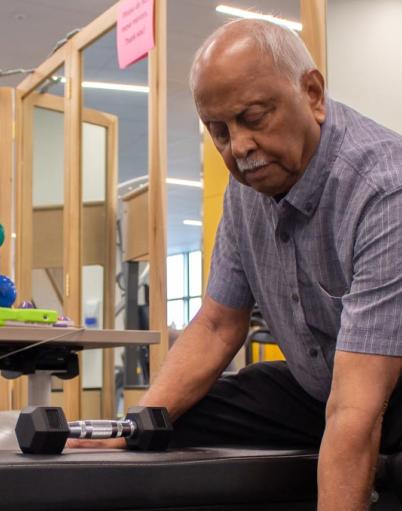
(305, 194)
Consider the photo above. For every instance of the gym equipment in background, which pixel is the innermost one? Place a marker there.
(13, 316)
(8, 293)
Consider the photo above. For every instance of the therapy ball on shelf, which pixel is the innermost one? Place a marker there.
(8, 293)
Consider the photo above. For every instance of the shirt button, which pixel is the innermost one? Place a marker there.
(295, 297)
(313, 352)
(308, 207)
(284, 236)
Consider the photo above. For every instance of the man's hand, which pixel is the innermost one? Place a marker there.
(110, 443)
(195, 361)
(362, 385)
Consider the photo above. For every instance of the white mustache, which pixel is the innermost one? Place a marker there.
(244, 164)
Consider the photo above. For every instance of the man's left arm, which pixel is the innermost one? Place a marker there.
(361, 387)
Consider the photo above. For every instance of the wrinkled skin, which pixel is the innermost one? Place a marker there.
(260, 122)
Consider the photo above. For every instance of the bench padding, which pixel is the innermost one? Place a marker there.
(210, 479)
(99, 480)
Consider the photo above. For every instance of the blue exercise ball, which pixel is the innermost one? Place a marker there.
(8, 293)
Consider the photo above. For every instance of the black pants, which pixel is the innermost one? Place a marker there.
(263, 405)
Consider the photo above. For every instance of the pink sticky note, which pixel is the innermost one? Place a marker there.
(135, 30)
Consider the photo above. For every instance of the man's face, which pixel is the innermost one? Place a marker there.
(265, 127)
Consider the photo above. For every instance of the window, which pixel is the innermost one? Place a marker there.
(184, 287)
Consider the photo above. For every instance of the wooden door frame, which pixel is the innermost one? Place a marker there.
(313, 16)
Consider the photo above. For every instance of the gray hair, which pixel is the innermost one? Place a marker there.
(288, 51)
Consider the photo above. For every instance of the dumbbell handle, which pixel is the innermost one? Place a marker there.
(102, 429)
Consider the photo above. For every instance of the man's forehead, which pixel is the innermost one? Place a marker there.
(227, 47)
(228, 53)
(241, 80)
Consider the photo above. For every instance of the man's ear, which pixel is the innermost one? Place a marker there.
(313, 85)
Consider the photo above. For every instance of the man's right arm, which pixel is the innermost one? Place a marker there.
(198, 357)
(193, 364)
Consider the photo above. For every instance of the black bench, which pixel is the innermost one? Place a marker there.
(224, 479)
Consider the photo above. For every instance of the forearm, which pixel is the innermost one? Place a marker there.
(191, 367)
(347, 461)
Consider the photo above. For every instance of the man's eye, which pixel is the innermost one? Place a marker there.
(253, 119)
(218, 131)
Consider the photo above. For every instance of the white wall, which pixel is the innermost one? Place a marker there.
(48, 158)
(93, 162)
(365, 57)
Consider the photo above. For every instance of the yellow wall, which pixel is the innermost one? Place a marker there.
(215, 181)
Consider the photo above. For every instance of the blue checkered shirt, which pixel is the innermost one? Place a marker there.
(324, 264)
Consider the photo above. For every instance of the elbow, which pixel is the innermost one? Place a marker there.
(355, 427)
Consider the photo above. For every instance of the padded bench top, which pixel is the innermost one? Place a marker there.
(192, 479)
(93, 480)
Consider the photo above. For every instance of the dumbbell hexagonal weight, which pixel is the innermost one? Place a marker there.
(44, 429)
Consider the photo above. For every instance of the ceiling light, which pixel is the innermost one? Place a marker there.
(131, 181)
(242, 13)
(198, 223)
(183, 182)
(169, 181)
(116, 86)
(124, 87)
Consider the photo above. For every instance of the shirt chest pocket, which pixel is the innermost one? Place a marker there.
(322, 310)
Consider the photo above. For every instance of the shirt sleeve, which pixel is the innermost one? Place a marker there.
(228, 282)
(371, 320)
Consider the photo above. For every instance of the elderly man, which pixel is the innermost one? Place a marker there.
(311, 231)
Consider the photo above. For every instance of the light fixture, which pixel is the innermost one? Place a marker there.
(123, 87)
(197, 223)
(183, 182)
(242, 13)
(116, 86)
(131, 181)
(169, 181)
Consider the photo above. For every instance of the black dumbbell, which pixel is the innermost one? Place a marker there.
(44, 429)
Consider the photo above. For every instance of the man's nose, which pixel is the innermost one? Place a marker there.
(242, 143)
